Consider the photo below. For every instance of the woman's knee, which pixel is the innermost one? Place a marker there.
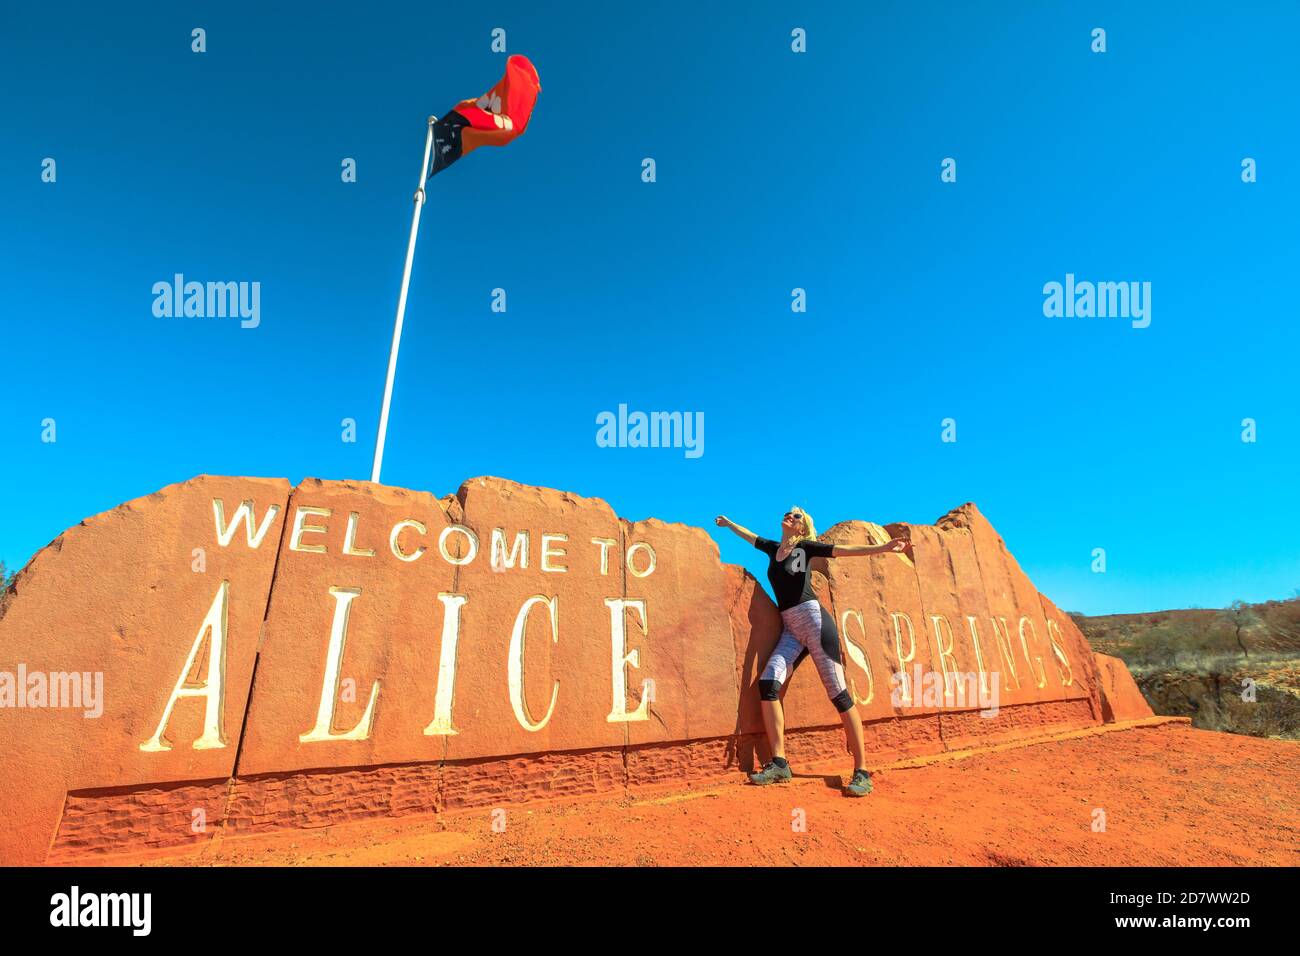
(769, 690)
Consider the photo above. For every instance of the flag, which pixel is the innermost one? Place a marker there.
(493, 119)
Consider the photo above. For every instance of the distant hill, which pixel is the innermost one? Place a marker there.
(1208, 664)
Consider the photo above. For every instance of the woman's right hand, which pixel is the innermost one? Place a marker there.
(722, 521)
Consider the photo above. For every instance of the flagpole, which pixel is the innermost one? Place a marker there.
(401, 305)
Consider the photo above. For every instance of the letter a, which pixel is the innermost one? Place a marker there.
(213, 689)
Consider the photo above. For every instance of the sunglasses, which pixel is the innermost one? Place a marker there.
(793, 514)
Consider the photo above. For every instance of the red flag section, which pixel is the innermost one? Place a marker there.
(493, 119)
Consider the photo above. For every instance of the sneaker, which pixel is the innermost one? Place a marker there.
(771, 773)
(860, 785)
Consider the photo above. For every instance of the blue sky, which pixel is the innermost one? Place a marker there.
(775, 170)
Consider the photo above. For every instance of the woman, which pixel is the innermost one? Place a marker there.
(809, 629)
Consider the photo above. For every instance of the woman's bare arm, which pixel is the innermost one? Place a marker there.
(893, 545)
(723, 521)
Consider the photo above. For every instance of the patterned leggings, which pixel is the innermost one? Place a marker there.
(808, 630)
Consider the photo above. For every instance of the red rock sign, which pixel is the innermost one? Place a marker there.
(270, 656)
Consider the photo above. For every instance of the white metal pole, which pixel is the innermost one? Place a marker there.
(401, 305)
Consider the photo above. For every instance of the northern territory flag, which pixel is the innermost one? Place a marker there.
(494, 119)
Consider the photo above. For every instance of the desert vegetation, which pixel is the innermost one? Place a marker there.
(6, 577)
(1234, 669)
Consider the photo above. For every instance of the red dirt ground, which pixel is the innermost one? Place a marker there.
(1172, 796)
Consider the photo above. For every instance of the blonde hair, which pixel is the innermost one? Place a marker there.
(810, 531)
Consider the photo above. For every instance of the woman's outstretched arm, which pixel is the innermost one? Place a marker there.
(723, 521)
(893, 545)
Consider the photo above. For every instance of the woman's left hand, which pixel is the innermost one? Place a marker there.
(897, 544)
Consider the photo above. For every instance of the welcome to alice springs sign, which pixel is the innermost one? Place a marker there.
(261, 655)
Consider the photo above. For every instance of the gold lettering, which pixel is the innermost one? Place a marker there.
(329, 691)
(518, 699)
(979, 655)
(445, 694)
(945, 654)
(350, 539)
(632, 567)
(1053, 632)
(857, 656)
(518, 552)
(470, 536)
(393, 539)
(548, 552)
(605, 545)
(622, 658)
(1002, 638)
(1040, 671)
(300, 526)
(213, 690)
(905, 684)
(226, 533)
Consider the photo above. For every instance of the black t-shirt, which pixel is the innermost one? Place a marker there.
(791, 579)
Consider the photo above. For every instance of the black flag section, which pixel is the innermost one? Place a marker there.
(446, 141)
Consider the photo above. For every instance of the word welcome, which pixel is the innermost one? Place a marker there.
(457, 544)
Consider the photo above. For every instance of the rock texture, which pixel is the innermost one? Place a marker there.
(1120, 697)
(382, 652)
(123, 595)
